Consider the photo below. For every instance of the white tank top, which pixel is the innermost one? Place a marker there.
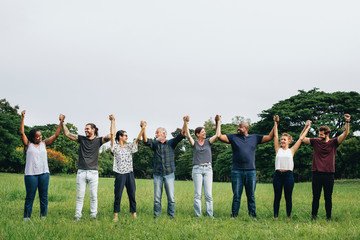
(36, 160)
(284, 160)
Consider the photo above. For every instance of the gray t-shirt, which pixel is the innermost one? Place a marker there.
(202, 154)
(89, 153)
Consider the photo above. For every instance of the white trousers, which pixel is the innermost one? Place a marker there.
(83, 178)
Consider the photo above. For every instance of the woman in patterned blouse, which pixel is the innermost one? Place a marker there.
(123, 166)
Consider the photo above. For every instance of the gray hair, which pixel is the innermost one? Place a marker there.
(162, 130)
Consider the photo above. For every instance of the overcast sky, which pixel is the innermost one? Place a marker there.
(158, 60)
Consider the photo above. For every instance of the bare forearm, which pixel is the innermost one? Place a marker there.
(68, 134)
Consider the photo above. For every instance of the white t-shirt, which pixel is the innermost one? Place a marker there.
(284, 160)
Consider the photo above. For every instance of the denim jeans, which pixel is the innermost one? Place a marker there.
(202, 177)
(124, 180)
(322, 180)
(169, 184)
(283, 180)
(33, 182)
(83, 178)
(239, 179)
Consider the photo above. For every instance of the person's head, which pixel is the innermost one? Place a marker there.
(200, 132)
(160, 134)
(35, 136)
(121, 135)
(324, 132)
(91, 130)
(243, 129)
(285, 140)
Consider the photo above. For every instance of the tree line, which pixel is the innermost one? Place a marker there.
(320, 107)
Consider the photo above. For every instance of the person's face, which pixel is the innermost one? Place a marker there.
(201, 134)
(322, 135)
(123, 138)
(38, 137)
(159, 135)
(89, 132)
(284, 141)
(242, 129)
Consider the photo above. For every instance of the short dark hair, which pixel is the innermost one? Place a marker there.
(32, 134)
(93, 126)
(198, 130)
(118, 134)
(324, 129)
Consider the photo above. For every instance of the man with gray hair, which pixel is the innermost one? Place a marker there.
(164, 168)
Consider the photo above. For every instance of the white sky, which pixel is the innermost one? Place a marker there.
(158, 60)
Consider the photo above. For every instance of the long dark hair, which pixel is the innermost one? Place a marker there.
(93, 126)
(198, 130)
(32, 134)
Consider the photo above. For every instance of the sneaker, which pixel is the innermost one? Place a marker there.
(93, 217)
(76, 219)
(43, 217)
(25, 219)
(313, 218)
(233, 215)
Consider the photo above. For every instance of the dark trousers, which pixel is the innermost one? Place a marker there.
(33, 182)
(322, 180)
(124, 180)
(283, 180)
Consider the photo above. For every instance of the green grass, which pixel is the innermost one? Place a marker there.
(62, 197)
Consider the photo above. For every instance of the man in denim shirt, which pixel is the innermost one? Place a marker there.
(164, 168)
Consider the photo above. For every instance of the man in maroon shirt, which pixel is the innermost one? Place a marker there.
(323, 165)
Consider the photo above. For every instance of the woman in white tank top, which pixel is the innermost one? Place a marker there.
(36, 167)
(284, 166)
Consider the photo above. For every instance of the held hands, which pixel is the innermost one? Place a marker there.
(61, 117)
(143, 124)
(276, 119)
(23, 113)
(347, 117)
(217, 118)
(111, 117)
(186, 118)
(308, 123)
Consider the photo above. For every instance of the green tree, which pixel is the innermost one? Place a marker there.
(9, 137)
(319, 107)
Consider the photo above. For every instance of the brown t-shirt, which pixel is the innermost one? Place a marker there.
(324, 155)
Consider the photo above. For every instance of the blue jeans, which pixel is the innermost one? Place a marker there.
(283, 180)
(202, 177)
(33, 182)
(169, 184)
(239, 179)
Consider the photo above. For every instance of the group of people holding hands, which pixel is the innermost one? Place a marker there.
(243, 172)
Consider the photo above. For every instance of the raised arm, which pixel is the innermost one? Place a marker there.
(218, 129)
(342, 137)
(112, 129)
(24, 139)
(301, 139)
(142, 125)
(68, 134)
(51, 139)
(183, 130)
(188, 136)
(269, 137)
(276, 134)
(222, 137)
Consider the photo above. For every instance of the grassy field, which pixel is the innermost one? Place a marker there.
(62, 195)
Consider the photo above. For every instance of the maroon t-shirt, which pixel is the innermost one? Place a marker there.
(324, 155)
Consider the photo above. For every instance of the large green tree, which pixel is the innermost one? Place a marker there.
(322, 109)
(9, 136)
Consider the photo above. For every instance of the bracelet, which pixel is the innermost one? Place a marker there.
(348, 121)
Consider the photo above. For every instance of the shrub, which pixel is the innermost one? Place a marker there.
(58, 162)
